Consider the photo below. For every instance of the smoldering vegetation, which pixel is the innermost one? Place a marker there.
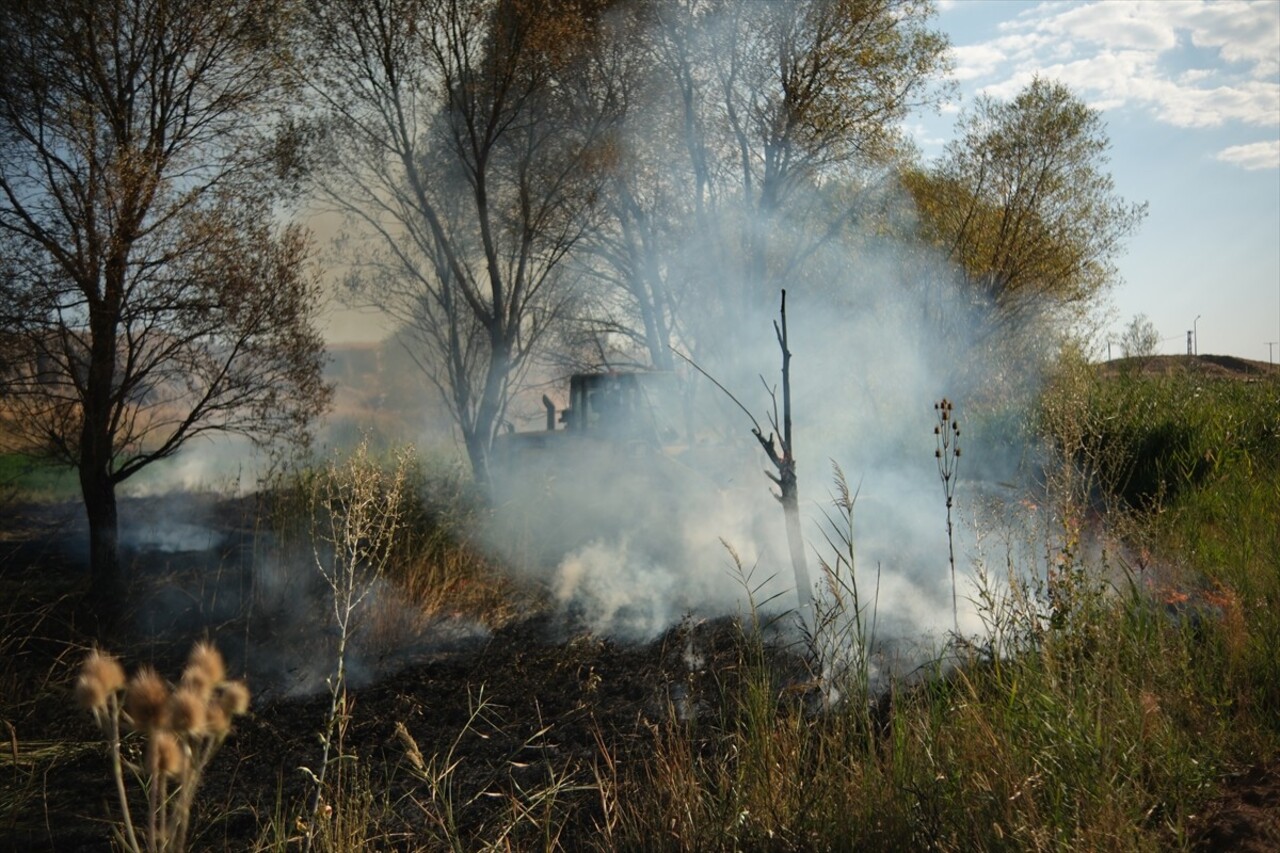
(517, 637)
(721, 728)
(878, 336)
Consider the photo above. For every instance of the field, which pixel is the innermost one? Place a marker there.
(1124, 693)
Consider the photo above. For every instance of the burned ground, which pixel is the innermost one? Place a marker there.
(532, 703)
(533, 700)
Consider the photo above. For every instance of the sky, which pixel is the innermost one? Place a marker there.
(1190, 94)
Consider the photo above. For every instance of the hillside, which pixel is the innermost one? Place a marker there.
(1216, 366)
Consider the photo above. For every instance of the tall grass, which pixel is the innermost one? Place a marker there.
(1112, 690)
(1098, 713)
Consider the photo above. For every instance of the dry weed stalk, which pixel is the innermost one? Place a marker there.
(183, 724)
(844, 636)
(356, 519)
(947, 433)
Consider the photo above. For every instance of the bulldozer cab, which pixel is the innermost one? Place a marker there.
(625, 406)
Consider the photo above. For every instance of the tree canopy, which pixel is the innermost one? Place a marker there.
(465, 137)
(1022, 203)
(607, 179)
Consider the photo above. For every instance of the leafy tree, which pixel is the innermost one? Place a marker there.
(1140, 338)
(1021, 201)
(459, 135)
(146, 297)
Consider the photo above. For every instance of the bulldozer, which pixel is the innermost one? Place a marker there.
(615, 407)
(622, 459)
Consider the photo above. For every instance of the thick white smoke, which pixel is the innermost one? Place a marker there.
(880, 331)
(630, 546)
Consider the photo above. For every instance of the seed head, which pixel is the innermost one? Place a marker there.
(90, 694)
(187, 713)
(205, 669)
(164, 754)
(146, 700)
(105, 668)
(100, 676)
(217, 720)
(233, 696)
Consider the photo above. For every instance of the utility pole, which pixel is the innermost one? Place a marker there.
(1270, 350)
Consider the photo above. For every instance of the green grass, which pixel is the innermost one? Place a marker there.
(1103, 710)
(1107, 721)
(29, 479)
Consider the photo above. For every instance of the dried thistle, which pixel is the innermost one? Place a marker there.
(183, 727)
(164, 754)
(217, 720)
(205, 669)
(100, 676)
(947, 452)
(233, 696)
(187, 711)
(146, 700)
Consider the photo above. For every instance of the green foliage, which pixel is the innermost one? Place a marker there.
(28, 479)
(1021, 201)
(1156, 439)
(1097, 712)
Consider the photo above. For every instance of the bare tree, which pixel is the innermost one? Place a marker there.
(459, 140)
(750, 131)
(148, 298)
(1141, 339)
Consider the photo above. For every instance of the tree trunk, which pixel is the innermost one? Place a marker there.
(106, 578)
(480, 439)
(789, 497)
(477, 445)
(784, 460)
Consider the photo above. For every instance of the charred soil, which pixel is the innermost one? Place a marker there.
(521, 705)
(481, 717)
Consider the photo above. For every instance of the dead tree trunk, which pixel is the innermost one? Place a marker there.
(781, 453)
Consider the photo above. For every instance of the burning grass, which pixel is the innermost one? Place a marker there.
(1116, 699)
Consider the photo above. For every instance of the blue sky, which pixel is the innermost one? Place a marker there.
(1190, 93)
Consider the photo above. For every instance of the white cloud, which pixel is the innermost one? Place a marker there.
(1145, 55)
(1117, 25)
(1255, 155)
(1244, 32)
(923, 137)
(976, 60)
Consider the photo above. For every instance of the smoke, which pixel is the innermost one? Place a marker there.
(293, 640)
(880, 331)
(207, 564)
(214, 463)
(631, 541)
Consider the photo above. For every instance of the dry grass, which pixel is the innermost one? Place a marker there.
(1102, 708)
